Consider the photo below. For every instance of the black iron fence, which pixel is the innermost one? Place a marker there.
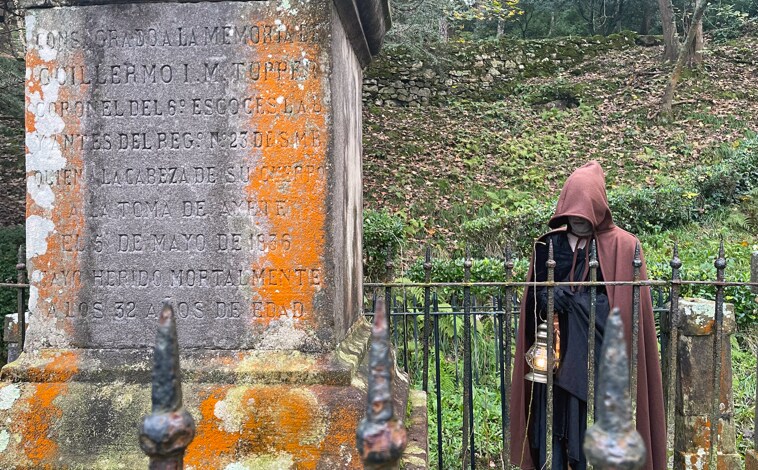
(453, 335)
(468, 339)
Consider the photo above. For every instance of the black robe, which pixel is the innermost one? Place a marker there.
(570, 381)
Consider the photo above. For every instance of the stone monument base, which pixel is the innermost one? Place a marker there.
(253, 409)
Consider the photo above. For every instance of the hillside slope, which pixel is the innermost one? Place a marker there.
(441, 166)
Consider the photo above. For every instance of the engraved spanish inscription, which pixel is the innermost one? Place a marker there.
(172, 159)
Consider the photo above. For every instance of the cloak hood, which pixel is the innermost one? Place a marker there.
(583, 195)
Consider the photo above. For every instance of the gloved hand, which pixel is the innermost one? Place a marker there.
(563, 298)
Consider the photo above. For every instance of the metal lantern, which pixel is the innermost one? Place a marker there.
(536, 357)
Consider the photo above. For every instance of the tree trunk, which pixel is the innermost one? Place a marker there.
(668, 95)
(670, 43)
(443, 29)
(695, 53)
(552, 24)
(500, 28)
(647, 18)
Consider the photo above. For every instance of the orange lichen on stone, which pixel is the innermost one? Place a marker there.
(62, 367)
(312, 425)
(35, 423)
(304, 191)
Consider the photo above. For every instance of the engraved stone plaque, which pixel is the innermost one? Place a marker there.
(182, 152)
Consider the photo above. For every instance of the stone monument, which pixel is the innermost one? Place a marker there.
(206, 153)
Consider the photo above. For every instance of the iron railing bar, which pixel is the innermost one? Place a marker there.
(416, 309)
(475, 345)
(453, 305)
(718, 332)
(637, 263)
(550, 358)
(405, 331)
(438, 382)
(468, 392)
(20, 304)
(491, 313)
(590, 418)
(673, 326)
(427, 316)
(506, 387)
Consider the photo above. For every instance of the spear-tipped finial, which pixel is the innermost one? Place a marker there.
(613, 443)
(675, 262)
(381, 438)
(21, 258)
(593, 254)
(550, 256)
(720, 262)
(637, 256)
(428, 264)
(167, 432)
(509, 264)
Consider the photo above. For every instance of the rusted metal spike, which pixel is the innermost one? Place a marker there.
(637, 261)
(550, 254)
(388, 266)
(593, 254)
(675, 262)
(381, 438)
(720, 262)
(167, 387)
(509, 260)
(167, 432)
(467, 263)
(428, 264)
(613, 443)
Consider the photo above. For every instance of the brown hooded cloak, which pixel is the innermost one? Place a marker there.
(583, 195)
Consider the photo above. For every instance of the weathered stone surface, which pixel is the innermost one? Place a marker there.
(58, 419)
(696, 317)
(700, 461)
(463, 70)
(695, 434)
(751, 460)
(416, 455)
(695, 376)
(170, 156)
(694, 388)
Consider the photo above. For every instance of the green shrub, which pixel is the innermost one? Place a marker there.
(735, 175)
(670, 204)
(653, 209)
(383, 236)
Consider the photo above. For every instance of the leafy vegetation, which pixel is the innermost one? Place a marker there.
(10, 239)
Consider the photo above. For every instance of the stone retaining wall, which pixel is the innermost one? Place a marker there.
(481, 70)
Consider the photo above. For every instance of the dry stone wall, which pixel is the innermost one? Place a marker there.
(415, 77)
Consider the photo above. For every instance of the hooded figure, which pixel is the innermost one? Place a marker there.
(582, 213)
